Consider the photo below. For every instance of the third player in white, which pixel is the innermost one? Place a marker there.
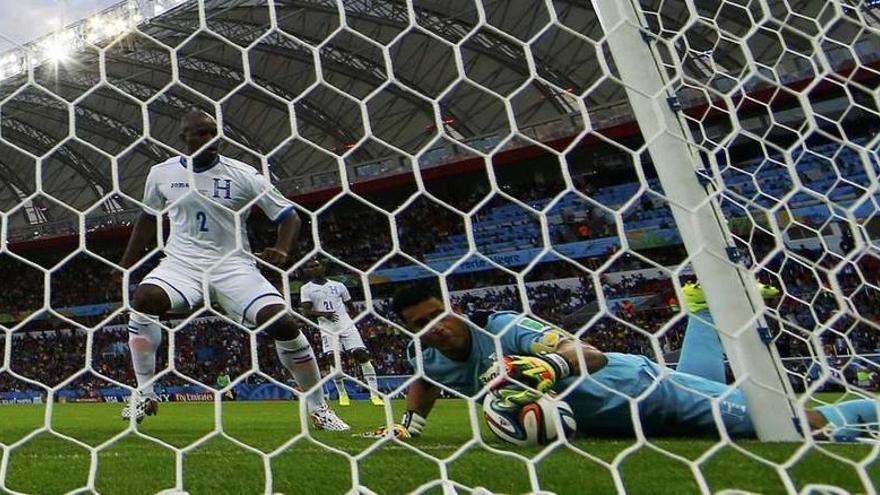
(330, 302)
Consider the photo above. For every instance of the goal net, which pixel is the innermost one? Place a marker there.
(643, 177)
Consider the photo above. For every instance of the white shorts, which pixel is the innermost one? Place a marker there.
(346, 340)
(239, 288)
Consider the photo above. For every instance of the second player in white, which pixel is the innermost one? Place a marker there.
(330, 303)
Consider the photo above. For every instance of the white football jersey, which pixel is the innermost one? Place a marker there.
(331, 296)
(202, 231)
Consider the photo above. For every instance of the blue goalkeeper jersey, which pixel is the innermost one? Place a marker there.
(677, 405)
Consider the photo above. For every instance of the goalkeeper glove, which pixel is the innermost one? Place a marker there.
(539, 372)
(398, 431)
(411, 425)
(516, 395)
(414, 423)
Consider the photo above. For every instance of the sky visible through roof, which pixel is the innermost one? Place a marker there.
(24, 21)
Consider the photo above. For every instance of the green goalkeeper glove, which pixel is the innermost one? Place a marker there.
(539, 372)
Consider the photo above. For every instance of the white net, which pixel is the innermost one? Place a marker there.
(581, 164)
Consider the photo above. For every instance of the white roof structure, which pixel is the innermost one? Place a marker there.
(275, 105)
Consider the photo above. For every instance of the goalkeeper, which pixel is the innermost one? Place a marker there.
(463, 358)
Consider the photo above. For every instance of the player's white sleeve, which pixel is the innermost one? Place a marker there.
(271, 201)
(304, 295)
(345, 294)
(153, 198)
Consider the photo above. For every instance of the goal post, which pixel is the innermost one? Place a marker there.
(731, 290)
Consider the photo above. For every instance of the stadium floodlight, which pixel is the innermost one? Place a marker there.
(64, 41)
(58, 48)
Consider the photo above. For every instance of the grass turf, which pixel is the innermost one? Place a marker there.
(319, 464)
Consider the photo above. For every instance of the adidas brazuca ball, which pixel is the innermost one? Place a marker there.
(527, 423)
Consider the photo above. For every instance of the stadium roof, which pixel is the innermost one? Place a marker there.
(257, 114)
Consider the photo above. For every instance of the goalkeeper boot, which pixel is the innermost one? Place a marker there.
(377, 401)
(143, 407)
(694, 297)
(325, 419)
(768, 291)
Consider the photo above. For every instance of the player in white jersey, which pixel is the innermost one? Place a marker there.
(330, 303)
(202, 248)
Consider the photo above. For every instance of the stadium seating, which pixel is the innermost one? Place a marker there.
(507, 228)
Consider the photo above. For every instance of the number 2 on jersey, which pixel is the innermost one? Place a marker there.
(201, 219)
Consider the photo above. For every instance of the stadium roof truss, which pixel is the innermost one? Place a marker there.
(36, 121)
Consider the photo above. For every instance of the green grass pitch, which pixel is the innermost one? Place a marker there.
(48, 464)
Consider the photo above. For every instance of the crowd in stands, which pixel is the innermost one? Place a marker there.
(205, 349)
(638, 284)
(81, 280)
(360, 238)
(47, 357)
(419, 236)
(26, 294)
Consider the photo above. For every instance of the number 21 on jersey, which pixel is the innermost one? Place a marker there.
(328, 306)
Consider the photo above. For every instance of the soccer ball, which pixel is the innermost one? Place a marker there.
(531, 423)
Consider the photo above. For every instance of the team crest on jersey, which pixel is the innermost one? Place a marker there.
(222, 189)
(549, 341)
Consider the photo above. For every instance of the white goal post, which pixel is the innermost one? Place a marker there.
(731, 290)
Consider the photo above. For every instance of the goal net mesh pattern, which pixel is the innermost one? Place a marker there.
(493, 149)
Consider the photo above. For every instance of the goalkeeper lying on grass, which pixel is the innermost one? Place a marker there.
(462, 358)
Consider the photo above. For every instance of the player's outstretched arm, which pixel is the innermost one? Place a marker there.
(593, 357)
(420, 400)
(142, 236)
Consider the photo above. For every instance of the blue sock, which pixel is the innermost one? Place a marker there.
(701, 352)
(852, 418)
